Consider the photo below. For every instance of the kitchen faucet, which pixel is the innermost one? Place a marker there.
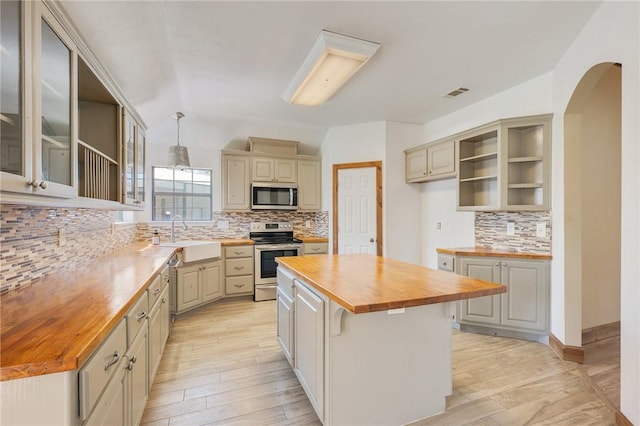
(173, 223)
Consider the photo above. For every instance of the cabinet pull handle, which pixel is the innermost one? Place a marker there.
(238, 268)
(131, 362)
(142, 315)
(164, 300)
(114, 359)
(237, 253)
(156, 292)
(238, 285)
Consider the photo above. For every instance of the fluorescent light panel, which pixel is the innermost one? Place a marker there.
(332, 61)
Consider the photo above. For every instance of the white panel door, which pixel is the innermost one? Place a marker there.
(357, 210)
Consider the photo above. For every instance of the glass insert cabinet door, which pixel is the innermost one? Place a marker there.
(11, 130)
(55, 79)
(134, 156)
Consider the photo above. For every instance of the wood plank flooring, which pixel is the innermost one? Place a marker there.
(223, 366)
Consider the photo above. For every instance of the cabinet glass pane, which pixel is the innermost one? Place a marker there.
(140, 167)
(10, 89)
(130, 160)
(56, 107)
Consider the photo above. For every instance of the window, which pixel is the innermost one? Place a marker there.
(184, 192)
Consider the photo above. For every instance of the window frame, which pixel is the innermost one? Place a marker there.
(174, 195)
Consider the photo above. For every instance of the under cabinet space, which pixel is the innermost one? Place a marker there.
(525, 196)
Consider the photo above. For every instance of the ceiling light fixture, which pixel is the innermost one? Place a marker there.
(178, 155)
(332, 61)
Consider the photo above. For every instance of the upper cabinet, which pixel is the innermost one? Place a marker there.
(267, 169)
(133, 152)
(505, 165)
(236, 184)
(432, 161)
(38, 80)
(61, 115)
(309, 185)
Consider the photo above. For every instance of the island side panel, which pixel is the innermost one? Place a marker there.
(388, 368)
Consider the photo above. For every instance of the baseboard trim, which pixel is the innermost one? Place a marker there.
(621, 419)
(566, 352)
(600, 332)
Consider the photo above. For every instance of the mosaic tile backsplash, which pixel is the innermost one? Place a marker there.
(29, 241)
(238, 223)
(29, 247)
(491, 231)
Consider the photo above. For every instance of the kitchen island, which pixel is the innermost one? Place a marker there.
(369, 338)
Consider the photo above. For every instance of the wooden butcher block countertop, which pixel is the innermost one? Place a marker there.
(308, 239)
(483, 251)
(55, 324)
(366, 283)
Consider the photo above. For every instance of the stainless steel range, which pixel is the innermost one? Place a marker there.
(272, 239)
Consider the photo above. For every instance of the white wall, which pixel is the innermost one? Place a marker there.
(611, 35)
(349, 144)
(439, 198)
(402, 205)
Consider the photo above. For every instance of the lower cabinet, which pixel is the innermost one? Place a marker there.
(315, 248)
(114, 384)
(523, 308)
(238, 270)
(158, 330)
(309, 345)
(137, 372)
(198, 284)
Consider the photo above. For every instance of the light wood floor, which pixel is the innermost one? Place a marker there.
(223, 366)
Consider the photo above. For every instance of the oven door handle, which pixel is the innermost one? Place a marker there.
(273, 247)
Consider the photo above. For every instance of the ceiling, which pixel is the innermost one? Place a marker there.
(231, 61)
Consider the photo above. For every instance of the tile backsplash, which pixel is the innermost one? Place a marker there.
(29, 241)
(29, 247)
(491, 231)
(238, 223)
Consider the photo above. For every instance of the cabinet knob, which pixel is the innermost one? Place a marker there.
(42, 184)
(504, 263)
(497, 263)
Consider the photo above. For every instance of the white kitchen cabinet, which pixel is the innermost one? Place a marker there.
(133, 154)
(505, 165)
(432, 161)
(285, 324)
(158, 330)
(238, 270)
(236, 182)
(266, 169)
(38, 155)
(111, 409)
(309, 344)
(315, 248)
(138, 379)
(524, 308)
(309, 185)
(198, 284)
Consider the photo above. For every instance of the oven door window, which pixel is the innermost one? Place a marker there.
(268, 263)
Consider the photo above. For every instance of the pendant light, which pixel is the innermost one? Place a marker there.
(178, 155)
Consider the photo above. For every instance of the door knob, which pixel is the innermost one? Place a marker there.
(371, 240)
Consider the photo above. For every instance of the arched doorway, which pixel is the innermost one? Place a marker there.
(592, 217)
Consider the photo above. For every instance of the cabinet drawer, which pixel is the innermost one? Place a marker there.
(102, 365)
(234, 267)
(238, 251)
(446, 262)
(136, 317)
(316, 248)
(243, 284)
(155, 289)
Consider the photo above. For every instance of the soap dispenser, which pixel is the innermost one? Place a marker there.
(155, 239)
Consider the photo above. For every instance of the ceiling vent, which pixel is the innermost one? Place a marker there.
(455, 92)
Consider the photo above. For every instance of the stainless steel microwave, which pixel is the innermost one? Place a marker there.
(274, 196)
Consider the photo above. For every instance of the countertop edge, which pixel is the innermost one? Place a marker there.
(485, 252)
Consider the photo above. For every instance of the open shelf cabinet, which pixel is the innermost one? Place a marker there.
(505, 165)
